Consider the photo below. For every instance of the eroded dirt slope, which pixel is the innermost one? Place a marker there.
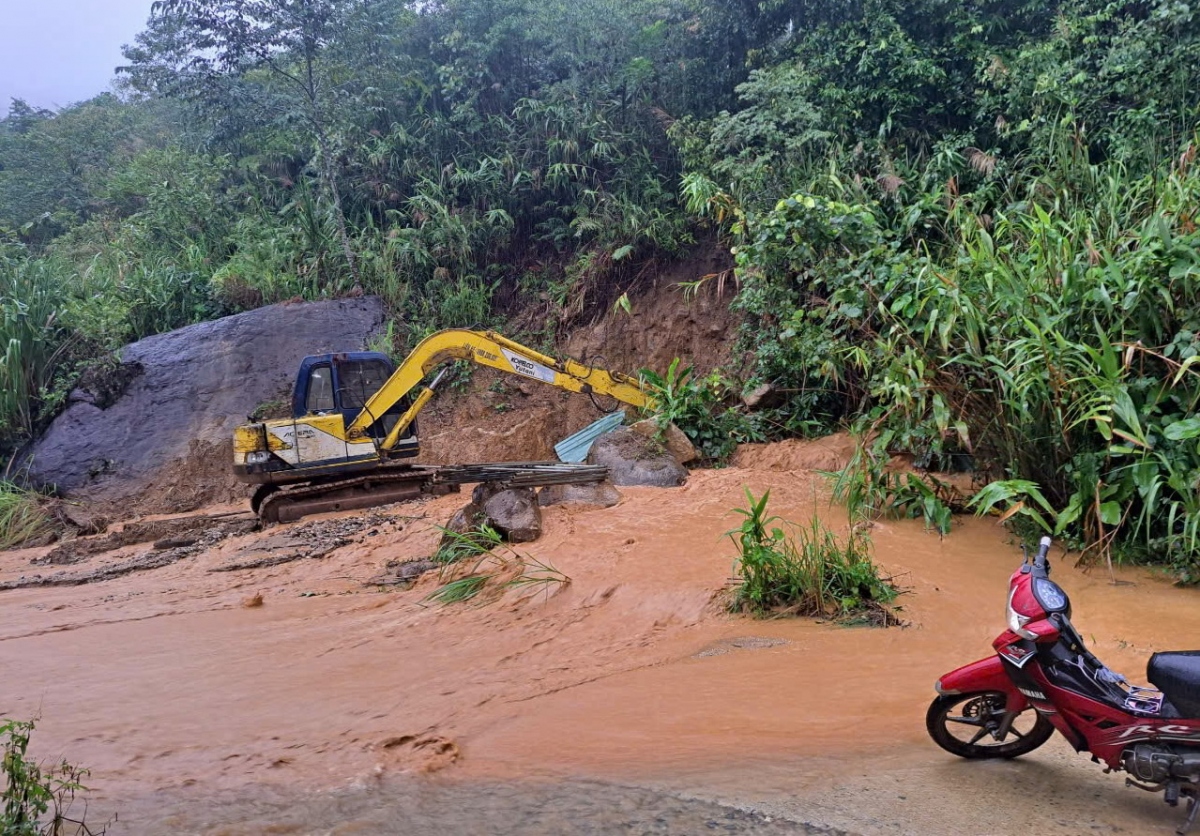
(232, 691)
(502, 417)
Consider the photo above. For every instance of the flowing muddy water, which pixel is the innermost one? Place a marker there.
(230, 692)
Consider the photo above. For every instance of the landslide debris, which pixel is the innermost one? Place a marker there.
(150, 559)
(185, 537)
(311, 540)
(166, 534)
(402, 572)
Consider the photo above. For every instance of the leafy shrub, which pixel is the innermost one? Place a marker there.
(699, 407)
(36, 801)
(810, 574)
(870, 490)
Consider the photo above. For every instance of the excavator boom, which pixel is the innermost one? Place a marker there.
(487, 348)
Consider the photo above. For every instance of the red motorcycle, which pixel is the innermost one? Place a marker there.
(1043, 678)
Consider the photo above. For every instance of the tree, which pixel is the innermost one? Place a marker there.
(275, 57)
(53, 166)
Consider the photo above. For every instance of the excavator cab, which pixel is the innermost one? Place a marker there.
(343, 383)
(331, 392)
(330, 384)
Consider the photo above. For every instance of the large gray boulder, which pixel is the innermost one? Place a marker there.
(512, 512)
(634, 459)
(671, 437)
(161, 440)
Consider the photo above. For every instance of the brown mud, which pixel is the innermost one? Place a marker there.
(266, 684)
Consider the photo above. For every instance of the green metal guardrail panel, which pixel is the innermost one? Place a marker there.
(574, 448)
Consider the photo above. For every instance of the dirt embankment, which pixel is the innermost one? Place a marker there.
(499, 417)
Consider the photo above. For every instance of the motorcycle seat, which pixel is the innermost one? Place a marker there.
(1177, 675)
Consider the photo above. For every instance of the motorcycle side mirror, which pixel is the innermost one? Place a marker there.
(1040, 560)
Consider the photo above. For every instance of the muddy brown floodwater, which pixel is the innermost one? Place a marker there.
(626, 701)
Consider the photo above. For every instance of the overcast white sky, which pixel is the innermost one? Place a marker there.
(57, 52)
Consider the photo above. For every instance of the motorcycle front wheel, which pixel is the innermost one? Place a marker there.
(968, 725)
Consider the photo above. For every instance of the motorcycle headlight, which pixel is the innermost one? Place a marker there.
(1016, 621)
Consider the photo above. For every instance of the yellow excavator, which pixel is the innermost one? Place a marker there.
(354, 421)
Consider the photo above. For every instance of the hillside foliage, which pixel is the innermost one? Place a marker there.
(968, 232)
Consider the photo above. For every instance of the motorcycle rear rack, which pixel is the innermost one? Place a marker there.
(1142, 700)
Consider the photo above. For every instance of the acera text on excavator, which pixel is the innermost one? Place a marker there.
(354, 421)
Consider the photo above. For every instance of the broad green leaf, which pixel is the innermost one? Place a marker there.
(1069, 514)
(1110, 513)
(1181, 430)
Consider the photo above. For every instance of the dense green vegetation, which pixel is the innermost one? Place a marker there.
(967, 231)
(972, 236)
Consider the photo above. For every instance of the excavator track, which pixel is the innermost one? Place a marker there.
(274, 504)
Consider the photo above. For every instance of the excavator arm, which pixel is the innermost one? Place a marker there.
(486, 348)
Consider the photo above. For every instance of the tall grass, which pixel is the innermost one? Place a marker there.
(32, 338)
(22, 516)
(810, 573)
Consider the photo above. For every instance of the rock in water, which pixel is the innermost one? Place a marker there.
(514, 512)
(595, 495)
(633, 459)
(465, 520)
(678, 445)
(167, 420)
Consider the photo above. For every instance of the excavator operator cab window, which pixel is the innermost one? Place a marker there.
(320, 390)
(358, 380)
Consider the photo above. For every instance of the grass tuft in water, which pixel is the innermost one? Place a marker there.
(482, 560)
(457, 546)
(460, 589)
(811, 573)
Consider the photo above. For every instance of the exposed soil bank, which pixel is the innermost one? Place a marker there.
(335, 706)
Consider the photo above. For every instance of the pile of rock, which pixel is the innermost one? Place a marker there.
(636, 455)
